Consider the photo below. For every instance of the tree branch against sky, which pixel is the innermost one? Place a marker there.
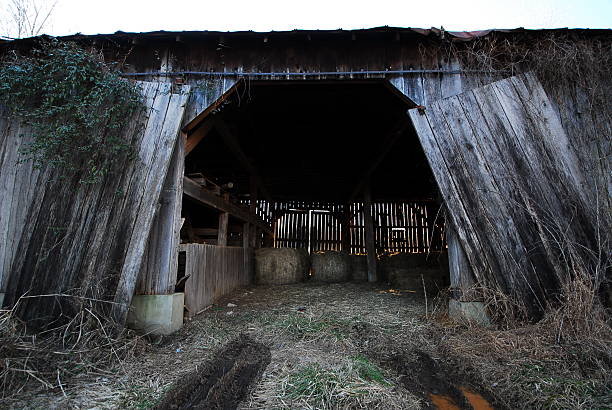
(26, 18)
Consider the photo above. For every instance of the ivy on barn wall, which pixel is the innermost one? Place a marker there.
(76, 105)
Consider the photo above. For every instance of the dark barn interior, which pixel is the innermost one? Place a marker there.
(300, 146)
(325, 180)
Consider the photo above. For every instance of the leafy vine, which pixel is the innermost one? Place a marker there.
(77, 106)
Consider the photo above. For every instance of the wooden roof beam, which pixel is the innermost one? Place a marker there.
(205, 197)
(198, 134)
(388, 144)
(232, 143)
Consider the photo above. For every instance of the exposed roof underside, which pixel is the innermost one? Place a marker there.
(315, 140)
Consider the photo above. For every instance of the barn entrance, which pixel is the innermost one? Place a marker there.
(315, 165)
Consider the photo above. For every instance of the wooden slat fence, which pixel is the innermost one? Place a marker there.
(214, 271)
(399, 226)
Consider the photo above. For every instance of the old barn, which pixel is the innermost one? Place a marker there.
(387, 149)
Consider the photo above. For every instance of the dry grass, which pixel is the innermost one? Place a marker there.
(331, 346)
(54, 360)
(334, 327)
(564, 361)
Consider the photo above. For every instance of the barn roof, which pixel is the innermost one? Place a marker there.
(433, 32)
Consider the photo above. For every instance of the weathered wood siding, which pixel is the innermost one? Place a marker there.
(214, 271)
(159, 268)
(86, 240)
(511, 183)
(15, 197)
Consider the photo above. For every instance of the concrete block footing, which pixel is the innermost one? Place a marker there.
(475, 312)
(156, 314)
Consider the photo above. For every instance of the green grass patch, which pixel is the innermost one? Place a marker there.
(314, 385)
(304, 326)
(368, 371)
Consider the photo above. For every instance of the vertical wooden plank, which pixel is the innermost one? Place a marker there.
(170, 117)
(443, 172)
(245, 234)
(158, 274)
(222, 230)
(462, 278)
(370, 245)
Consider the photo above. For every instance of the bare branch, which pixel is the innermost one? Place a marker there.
(21, 18)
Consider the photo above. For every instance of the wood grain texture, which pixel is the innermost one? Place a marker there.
(159, 268)
(85, 239)
(214, 271)
(511, 184)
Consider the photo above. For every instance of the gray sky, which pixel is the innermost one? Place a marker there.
(108, 16)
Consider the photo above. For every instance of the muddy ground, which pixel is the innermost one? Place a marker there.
(330, 346)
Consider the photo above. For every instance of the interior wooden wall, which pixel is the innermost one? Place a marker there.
(409, 227)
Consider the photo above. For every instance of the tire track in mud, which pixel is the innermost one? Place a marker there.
(222, 382)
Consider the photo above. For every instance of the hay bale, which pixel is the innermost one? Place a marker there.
(414, 271)
(359, 268)
(280, 266)
(331, 266)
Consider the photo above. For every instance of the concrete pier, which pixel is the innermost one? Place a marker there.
(475, 312)
(156, 314)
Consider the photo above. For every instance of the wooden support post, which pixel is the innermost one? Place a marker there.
(254, 237)
(462, 279)
(246, 234)
(465, 302)
(160, 262)
(222, 234)
(253, 194)
(346, 229)
(268, 240)
(256, 240)
(369, 233)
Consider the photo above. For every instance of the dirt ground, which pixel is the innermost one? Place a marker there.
(331, 345)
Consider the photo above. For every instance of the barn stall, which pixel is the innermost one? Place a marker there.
(288, 142)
